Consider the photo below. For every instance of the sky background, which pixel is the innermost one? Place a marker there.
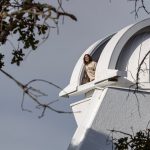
(54, 61)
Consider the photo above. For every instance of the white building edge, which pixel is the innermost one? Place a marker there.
(108, 103)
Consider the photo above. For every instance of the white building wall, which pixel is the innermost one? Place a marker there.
(119, 110)
(112, 105)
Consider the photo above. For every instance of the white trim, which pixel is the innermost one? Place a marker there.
(80, 133)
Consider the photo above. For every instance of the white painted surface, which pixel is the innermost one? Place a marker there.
(110, 105)
(132, 55)
(114, 109)
(81, 108)
(86, 121)
(110, 53)
(116, 44)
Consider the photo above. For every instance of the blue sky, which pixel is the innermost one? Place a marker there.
(54, 61)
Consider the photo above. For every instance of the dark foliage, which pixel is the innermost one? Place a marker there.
(30, 22)
(139, 141)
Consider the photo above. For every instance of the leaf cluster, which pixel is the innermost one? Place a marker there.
(139, 141)
(29, 21)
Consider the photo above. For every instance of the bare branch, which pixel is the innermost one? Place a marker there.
(30, 92)
(139, 69)
(139, 5)
(117, 131)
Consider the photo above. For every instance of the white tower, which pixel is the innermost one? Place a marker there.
(108, 103)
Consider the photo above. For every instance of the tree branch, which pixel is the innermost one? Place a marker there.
(29, 91)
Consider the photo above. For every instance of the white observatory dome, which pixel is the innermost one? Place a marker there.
(111, 100)
(117, 56)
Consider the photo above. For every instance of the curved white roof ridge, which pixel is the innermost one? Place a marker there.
(114, 47)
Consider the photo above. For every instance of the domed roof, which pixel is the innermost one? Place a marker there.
(117, 55)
